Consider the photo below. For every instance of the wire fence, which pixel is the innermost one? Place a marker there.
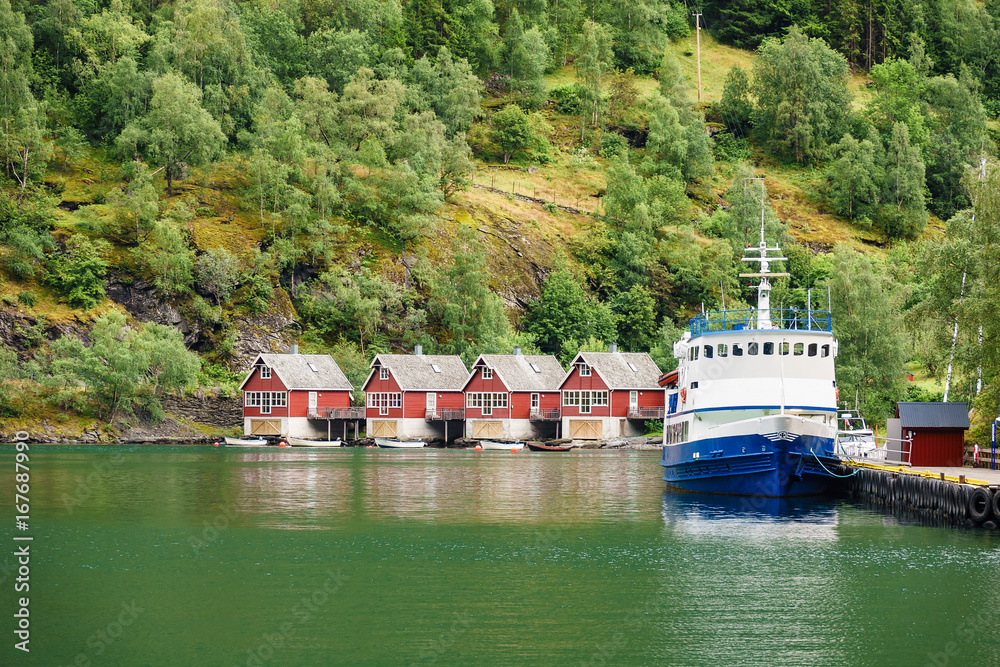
(510, 184)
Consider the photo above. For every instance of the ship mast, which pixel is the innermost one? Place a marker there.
(764, 288)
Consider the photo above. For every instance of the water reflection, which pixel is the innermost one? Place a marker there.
(752, 519)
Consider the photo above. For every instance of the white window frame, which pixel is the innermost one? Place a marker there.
(265, 400)
(633, 399)
(535, 401)
(585, 399)
(313, 399)
(383, 373)
(486, 401)
(265, 372)
(584, 370)
(487, 373)
(431, 401)
(383, 400)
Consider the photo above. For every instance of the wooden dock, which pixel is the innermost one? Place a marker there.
(949, 496)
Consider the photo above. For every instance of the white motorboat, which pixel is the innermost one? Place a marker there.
(506, 446)
(246, 442)
(299, 442)
(399, 444)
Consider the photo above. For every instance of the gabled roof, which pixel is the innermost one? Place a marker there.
(304, 371)
(621, 370)
(423, 372)
(524, 372)
(933, 415)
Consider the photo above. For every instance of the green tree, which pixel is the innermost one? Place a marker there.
(77, 274)
(800, 85)
(124, 367)
(511, 131)
(593, 63)
(218, 273)
(527, 57)
(168, 258)
(564, 312)
(176, 131)
(736, 105)
(135, 208)
(636, 315)
(856, 177)
(24, 150)
(905, 212)
(471, 316)
(869, 328)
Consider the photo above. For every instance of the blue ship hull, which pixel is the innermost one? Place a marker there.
(778, 466)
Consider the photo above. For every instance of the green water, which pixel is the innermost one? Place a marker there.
(206, 556)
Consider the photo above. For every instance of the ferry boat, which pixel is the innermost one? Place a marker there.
(752, 406)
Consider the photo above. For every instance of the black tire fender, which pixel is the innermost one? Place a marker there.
(980, 504)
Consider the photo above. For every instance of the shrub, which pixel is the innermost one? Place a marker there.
(27, 297)
(567, 99)
(613, 145)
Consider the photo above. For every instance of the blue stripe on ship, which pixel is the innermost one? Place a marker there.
(750, 465)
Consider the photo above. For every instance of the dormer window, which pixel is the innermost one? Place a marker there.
(265, 373)
(487, 373)
(383, 374)
(584, 370)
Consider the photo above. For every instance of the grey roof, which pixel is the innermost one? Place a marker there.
(613, 367)
(295, 372)
(516, 372)
(415, 372)
(933, 415)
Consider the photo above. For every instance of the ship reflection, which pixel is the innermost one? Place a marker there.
(753, 519)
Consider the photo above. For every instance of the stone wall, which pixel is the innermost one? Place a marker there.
(206, 408)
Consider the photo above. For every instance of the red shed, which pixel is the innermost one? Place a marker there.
(415, 395)
(292, 395)
(513, 396)
(610, 395)
(936, 432)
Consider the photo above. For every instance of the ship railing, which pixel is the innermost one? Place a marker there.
(354, 412)
(550, 415)
(786, 319)
(898, 452)
(643, 412)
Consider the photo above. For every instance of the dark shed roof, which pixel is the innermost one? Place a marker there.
(933, 415)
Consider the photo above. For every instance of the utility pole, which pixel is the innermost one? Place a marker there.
(697, 31)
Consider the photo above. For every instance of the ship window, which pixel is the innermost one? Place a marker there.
(708, 351)
(693, 353)
(723, 350)
(694, 385)
(826, 351)
(768, 348)
(752, 348)
(812, 349)
(799, 349)
(782, 348)
(737, 350)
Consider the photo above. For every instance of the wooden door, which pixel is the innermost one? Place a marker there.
(265, 427)
(384, 428)
(585, 429)
(487, 429)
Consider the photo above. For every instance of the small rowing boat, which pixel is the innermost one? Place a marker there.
(246, 442)
(539, 447)
(299, 442)
(399, 444)
(506, 446)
